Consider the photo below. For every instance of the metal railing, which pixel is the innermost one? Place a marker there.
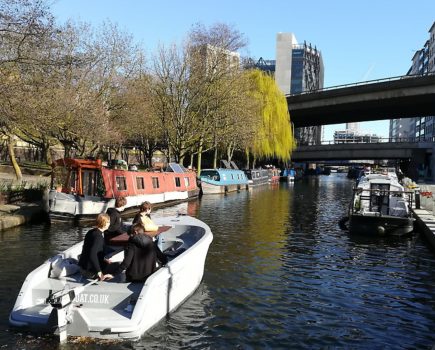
(380, 140)
(367, 82)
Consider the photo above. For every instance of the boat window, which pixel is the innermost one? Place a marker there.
(210, 174)
(73, 180)
(155, 182)
(232, 176)
(186, 182)
(140, 183)
(121, 183)
(89, 183)
(258, 174)
(177, 182)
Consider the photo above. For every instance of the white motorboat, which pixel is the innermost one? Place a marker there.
(380, 205)
(75, 306)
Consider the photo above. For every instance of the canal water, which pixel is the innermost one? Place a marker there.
(280, 274)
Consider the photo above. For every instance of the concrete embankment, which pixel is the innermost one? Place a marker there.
(425, 215)
(16, 215)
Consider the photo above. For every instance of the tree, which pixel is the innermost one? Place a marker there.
(172, 100)
(25, 28)
(215, 68)
(135, 120)
(274, 137)
(95, 65)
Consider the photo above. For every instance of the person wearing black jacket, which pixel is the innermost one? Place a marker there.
(116, 227)
(91, 260)
(141, 256)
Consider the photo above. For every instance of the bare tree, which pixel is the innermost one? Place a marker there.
(25, 28)
(135, 119)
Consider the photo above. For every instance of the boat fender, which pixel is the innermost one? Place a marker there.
(381, 230)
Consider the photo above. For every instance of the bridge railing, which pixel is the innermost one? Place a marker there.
(381, 140)
(367, 82)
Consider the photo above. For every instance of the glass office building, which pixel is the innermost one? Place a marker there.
(419, 128)
(297, 68)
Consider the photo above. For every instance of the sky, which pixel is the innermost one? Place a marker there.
(359, 40)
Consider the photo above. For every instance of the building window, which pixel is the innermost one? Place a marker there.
(140, 183)
(155, 182)
(177, 182)
(121, 183)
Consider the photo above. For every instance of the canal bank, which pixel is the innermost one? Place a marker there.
(425, 213)
(12, 215)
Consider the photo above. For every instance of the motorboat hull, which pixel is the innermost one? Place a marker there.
(380, 225)
(116, 309)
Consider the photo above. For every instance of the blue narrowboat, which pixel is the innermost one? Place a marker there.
(222, 180)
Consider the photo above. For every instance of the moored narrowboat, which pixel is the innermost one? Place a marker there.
(274, 174)
(222, 180)
(82, 188)
(257, 176)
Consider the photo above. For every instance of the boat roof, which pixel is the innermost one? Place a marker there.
(223, 170)
(379, 179)
(79, 163)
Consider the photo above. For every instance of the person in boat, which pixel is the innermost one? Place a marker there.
(91, 262)
(116, 226)
(144, 218)
(141, 255)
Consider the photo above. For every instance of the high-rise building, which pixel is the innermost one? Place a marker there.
(210, 59)
(420, 128)
(297, 68)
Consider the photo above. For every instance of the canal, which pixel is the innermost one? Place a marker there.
(280, 274)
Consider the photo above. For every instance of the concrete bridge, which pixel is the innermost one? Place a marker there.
(400, 97)
(417, 151)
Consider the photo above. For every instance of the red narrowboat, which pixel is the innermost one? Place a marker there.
(83, 188)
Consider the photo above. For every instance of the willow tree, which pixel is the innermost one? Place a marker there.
(274, 137)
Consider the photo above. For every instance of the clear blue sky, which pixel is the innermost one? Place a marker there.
(359, 40)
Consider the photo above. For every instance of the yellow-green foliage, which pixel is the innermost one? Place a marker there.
(275, 136)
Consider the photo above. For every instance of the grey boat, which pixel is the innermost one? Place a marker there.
(56, 298)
